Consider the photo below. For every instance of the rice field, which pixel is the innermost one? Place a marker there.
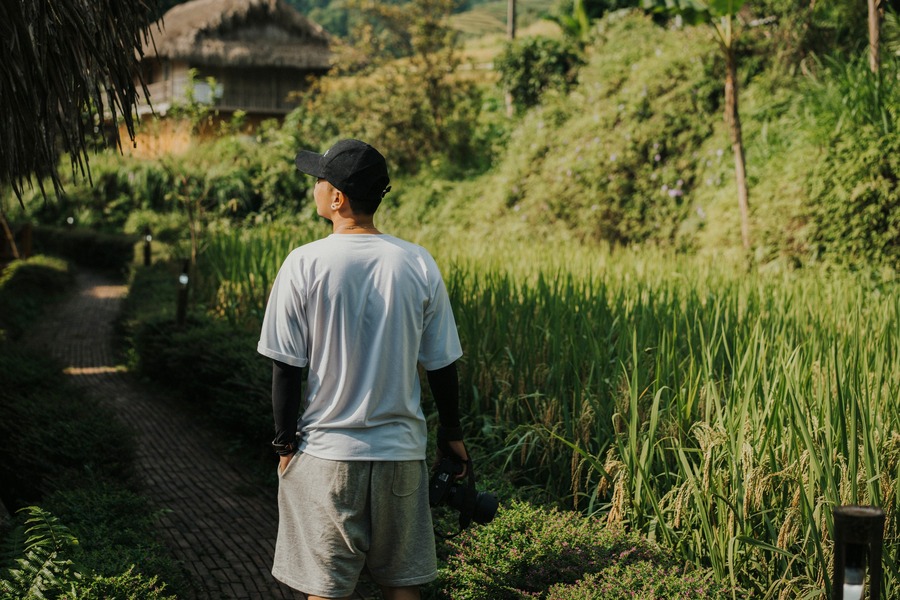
(720, 411)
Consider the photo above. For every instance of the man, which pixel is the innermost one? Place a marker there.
(360, 309)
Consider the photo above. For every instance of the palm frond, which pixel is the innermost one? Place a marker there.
(43, 568)
(67, 65)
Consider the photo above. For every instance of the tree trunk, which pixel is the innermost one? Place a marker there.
(733, 120)
(511, 34)
(874, 35)
(10, 238)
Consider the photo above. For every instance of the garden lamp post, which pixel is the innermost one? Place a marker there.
(183, 281)
(858, 537)
(148, 237)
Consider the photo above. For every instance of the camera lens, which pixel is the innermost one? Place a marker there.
(485, 508)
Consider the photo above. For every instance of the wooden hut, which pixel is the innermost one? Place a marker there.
(257, 51)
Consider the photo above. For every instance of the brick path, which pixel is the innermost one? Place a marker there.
(218, 522)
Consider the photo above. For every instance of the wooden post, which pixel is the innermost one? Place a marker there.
(183, 285)
(8, 234)
(733, 120)
(874, 35)
(511, 35)
(148, 252)
(858, 538)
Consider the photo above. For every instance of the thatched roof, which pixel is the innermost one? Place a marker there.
(240, 33)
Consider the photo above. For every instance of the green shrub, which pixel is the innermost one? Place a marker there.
(43, 567)
(115, 528)
(855, 200)
(87, 247)
(26, 287)
(46, 565)
(531, 65)
(527, 551)
(644, 580)
(126, 586)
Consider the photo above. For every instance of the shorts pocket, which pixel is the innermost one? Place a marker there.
(407, 478)
(281, 472)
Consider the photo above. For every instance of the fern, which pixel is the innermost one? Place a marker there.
(43, 571)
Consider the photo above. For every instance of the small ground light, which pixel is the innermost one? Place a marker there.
(148, 253)
(858, 538)
(70, 220)
(183, 280)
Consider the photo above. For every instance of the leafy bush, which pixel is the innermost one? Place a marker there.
(48, 568)
(420, 111)
(644, 580)
(86, 247)
(530, 65)
(115, 528)
(126, 586)
(26, 287)
(530, 552)
(232, 177)
(855, 200)
(45, 567)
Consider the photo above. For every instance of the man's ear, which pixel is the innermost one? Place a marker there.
(337, 198)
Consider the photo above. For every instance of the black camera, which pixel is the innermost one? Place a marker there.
(460, 494)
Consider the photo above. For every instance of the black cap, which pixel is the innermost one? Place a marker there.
(352, 166)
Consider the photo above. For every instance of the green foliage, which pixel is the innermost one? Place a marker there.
(853, 204)
(617, 159)
(531, 65)
(67, 451)
(116, 529)
(855, 199)
(533, 552)
(418, 111)
(841, 96)
(51, 565)
(109, 251)
(44, 570)
(643, 580)
(231, 178)
(26, 288)
(125, 586)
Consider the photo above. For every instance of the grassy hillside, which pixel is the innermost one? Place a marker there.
(639, 154)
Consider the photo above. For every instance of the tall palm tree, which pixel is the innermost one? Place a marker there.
(65, 67)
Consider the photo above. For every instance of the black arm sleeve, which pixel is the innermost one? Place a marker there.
(444, 384)
(286, 389)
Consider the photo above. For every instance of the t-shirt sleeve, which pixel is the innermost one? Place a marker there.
(440, 339)
(284, 330)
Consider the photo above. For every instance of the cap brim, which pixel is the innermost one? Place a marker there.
(309, 163)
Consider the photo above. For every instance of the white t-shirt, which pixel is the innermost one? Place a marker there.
(361, 310)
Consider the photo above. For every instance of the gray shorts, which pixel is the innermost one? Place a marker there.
(337, 518)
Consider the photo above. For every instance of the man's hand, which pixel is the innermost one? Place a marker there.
(459, 449)
(283, 461)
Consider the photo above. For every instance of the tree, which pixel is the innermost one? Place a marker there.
(418, 108)
(67, 65)
(874, 34)
(720, 14)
